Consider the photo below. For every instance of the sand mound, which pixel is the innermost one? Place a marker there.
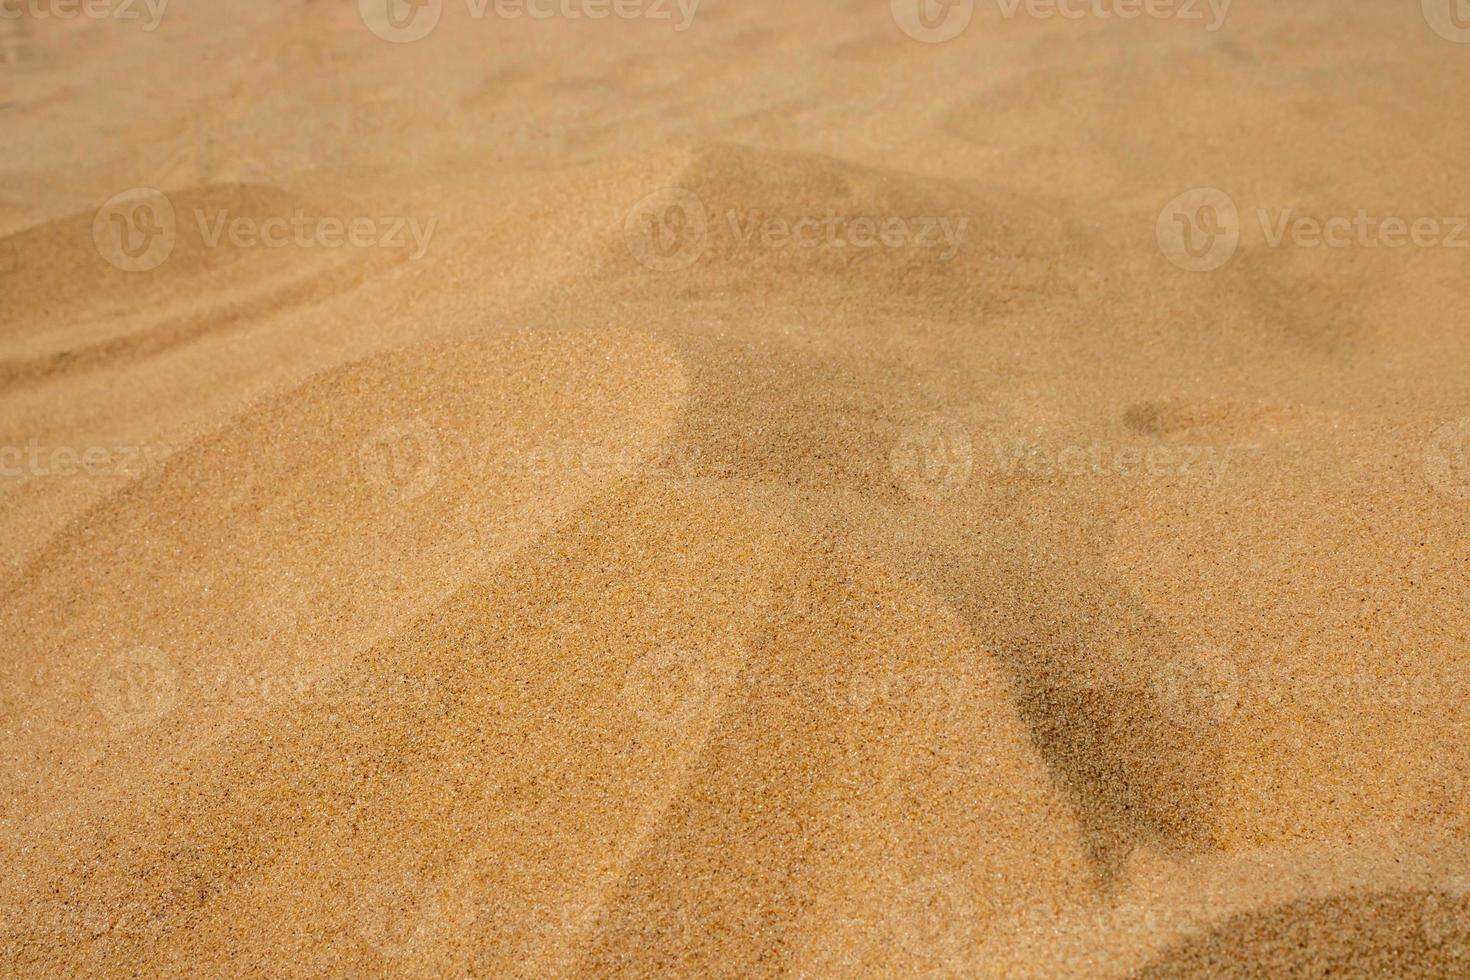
(658, 721)
(393, 478)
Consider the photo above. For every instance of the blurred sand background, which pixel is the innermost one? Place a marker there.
(604, 582)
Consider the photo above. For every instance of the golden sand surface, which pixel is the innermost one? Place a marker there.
(654, 487)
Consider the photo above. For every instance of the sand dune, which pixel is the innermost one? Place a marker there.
(576, 497)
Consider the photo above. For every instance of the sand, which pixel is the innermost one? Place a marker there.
(734, 489)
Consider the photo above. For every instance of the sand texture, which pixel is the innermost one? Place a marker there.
(833, 489)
